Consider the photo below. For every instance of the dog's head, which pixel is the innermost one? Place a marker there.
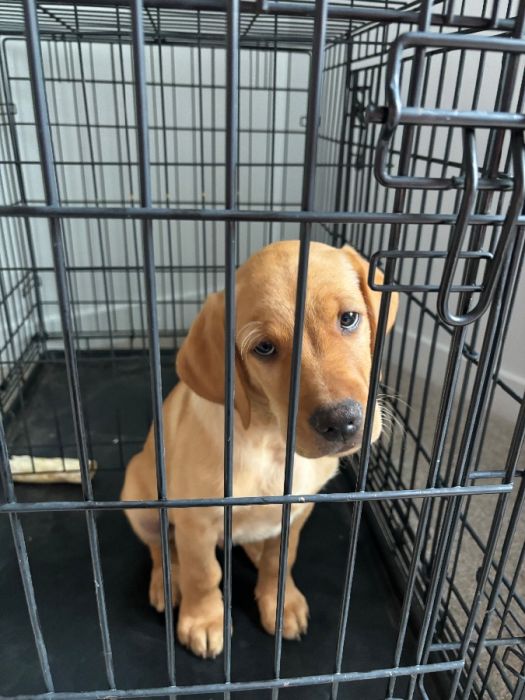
(339, 333)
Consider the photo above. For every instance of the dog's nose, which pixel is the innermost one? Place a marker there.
(339, 422)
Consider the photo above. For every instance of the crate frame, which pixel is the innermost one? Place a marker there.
(498, 288)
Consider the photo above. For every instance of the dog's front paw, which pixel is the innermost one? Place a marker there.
(200, 627)
(295, 615)
(156, 589)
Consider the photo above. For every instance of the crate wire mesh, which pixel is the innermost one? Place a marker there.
(147, 148)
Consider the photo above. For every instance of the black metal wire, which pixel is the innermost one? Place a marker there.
(308, 193)
(230, 241)
(300, 681)
(141, 106)
(52, 197)
(23, 563)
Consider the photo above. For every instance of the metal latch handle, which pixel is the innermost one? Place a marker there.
(493, 270)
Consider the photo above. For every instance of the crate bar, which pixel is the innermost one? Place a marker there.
(519, 692)
(45, 146)
(444, 414)
(414, 97)
(230, 241)
(297, 216)
(487, 643)
(307, 9)
(498, 319)
(512, 461)
(298, 681)
(141, 107)
(488, 357)
(308, 201)
(482, 642)
(517, 513)
(92, 161)
(423, 116)
(352, 497)
(6, 480)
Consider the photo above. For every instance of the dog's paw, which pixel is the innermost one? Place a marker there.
(203, 637)
(156, 590)
(201, 629)
(295, 615)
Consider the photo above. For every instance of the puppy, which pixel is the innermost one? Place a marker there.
(339, 331)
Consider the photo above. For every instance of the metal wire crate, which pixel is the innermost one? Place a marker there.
(147, 147)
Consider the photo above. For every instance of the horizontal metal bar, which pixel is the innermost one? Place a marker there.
(494, 474)
(472, 42)
(445, 492)
(289, 43)
(503, 642)
(426, 254)
(350, 677)
(295, 216)
(476, 254)
(425, 116)
(132, 163)
(446, 117)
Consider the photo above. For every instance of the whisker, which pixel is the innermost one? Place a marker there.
(390, 420)
(395, 397)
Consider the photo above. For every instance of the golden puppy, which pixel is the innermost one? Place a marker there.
(339, 330)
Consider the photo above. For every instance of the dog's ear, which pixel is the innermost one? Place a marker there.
(372, 298)
(200, 361)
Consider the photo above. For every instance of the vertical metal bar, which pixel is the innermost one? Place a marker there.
(54, 70)
(214, 166)
(230, 241)
(141, 106)
(165, 170)
(308, 199)
(120, 160)
(177, 183)
(519, 691)
(23, 562)
(273, 123)
(414, 99)
(130, 181)
(512, 460)
(287, 127)
(52, 198)
(23, 198)
(91, 148)
(203, 195)
(348, 122)
(510, 598)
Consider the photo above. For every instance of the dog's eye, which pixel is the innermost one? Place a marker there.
(265, 349)
(349, 320)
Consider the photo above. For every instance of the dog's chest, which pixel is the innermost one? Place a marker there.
(260, 472)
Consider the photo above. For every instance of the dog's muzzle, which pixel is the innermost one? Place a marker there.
(339, 422)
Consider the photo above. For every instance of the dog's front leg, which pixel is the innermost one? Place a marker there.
(200, 625)
(295, 618)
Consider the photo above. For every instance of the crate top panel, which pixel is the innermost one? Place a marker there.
(264, 23)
